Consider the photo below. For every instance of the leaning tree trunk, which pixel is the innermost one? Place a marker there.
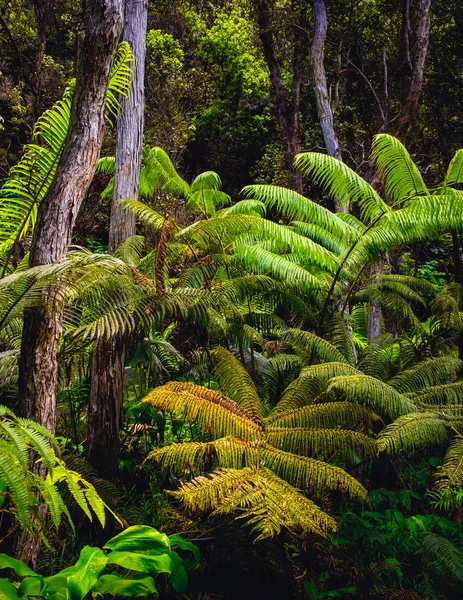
(38, 366)
(108, 356)
(320, 87)
(38, 369)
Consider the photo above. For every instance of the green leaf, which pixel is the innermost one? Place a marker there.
(7, 562)
(31, 586)
(178, 540)
(129, 588)
(7, 590)
(91, 563)
(178, 577)
(139, 538)
(141, 562)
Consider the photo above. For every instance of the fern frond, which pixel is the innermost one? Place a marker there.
(370, 392)
(413, 431)
(347, 415)
(399, 173)
(450, 474)
(263, 499)
(427, 373)
(448, 393)
(455, 170)
(447, 554)
(339, 181)
(308, 344)
(199, 457)
(235, 382)
(214, 414)
(322, 443)
(308, 473)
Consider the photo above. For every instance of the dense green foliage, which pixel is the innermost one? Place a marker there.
(292, 376)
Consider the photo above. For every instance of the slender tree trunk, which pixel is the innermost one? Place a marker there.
(108, 356)
(409, 107)
(38, 370)
(320, 87)
(286, 104)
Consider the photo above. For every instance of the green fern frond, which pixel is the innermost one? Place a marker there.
(427, 373)
(215, 414)
(235, 382)
(445, 552)
(399, 173)
(455, 170)
(341, 182)
(309, 345)
(448, 393)
(120, 78)
(413, 431)
(311, 382)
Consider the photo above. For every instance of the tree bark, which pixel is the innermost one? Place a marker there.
(320, 87)
(286, 107)
(409, 108)
(38, 370)
(108, 356)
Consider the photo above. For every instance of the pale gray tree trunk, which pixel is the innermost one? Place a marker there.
(38, 367)
(320, 87)
(108, 356)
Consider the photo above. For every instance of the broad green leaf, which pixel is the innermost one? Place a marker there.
(129, 588)
(141, 562)
(139, 538)
(7, 562)
(178, 577)
(178, 540)
(7, 590)
(31, 586)
(91, 563)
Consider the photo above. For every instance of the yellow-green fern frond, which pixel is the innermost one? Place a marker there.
(214, 414)
(448, 393)
(347, 415)
(308, 346)
(450, 474)
(322, 443)
(311, 382)
(370, 392)
(310, 474)
(427, 373)
(260, 497)
(235, 382)
(413, 431)
(199, 457)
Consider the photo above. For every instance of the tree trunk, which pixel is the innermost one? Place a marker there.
(409, 108)
(320, 87)
(286, 108)
(38, 367)
(108, 356)
(38, 370)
